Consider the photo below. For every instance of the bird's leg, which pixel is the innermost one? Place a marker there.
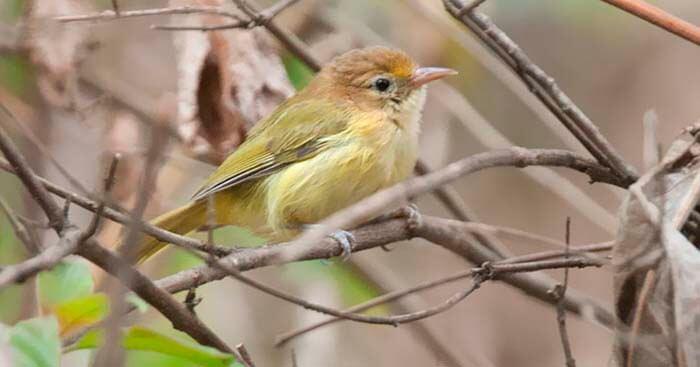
(344, 238)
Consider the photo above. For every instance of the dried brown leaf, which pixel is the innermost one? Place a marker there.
(657, 283)
(227, 82)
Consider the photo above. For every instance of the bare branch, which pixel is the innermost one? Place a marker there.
(117, 215)
(290, 41)
(395, 295)
(26, 174)
(181, 318)
(545, 88)
(558, 293)
(106, 188)
(112, 15)
(47, 259)
(448, 233)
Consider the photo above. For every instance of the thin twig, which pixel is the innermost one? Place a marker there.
(558, 293)
(469, 7)
(106, 189)
(202, 28)
(47, 259)
(659, 18)
(395, 295)
(111, 15)
(20, 229)
(393, 320)
(545, 88)
(117, 215)
(290, 41)
(383, 279)
(449, 234)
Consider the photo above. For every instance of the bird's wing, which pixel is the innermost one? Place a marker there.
(292, 133)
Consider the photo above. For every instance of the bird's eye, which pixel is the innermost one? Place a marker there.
(382, 84)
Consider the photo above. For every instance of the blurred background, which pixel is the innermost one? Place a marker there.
(87, 89)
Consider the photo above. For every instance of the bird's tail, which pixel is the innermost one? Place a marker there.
(182, 220)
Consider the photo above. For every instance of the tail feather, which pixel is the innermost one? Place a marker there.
(182, 220)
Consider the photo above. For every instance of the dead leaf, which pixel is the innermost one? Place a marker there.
(656, 281)
(227, 81)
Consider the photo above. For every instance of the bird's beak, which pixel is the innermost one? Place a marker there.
(422, 76)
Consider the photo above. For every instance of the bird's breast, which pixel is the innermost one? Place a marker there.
(355, 165)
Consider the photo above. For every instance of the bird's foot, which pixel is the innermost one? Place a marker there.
(413, 217)
(345, 239)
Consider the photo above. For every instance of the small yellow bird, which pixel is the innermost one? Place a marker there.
(351, 132)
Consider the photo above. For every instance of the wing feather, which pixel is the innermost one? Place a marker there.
(294, 132)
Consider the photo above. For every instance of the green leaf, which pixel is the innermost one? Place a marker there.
(299, 74)
(68, 280)
(142, 339)
(35, 343)
(138, 338)
(137, 358)
(80, 312)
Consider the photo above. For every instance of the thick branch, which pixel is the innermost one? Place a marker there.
(181, 318)
(366, 237)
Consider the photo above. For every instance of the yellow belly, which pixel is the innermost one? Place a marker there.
(306, 192)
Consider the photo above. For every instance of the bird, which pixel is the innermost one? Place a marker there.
(352, 131)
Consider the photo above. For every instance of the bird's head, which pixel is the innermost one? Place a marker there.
(377, 78)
